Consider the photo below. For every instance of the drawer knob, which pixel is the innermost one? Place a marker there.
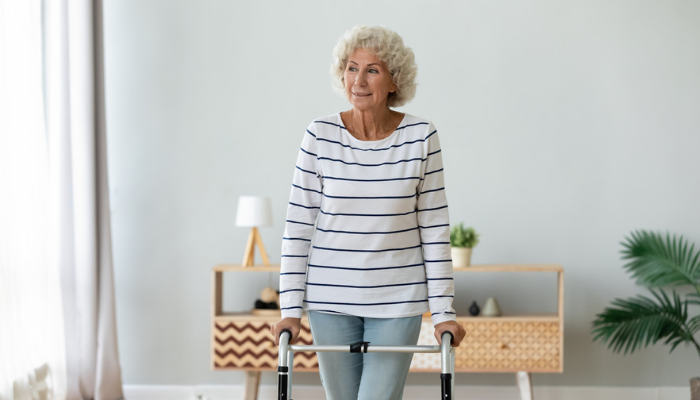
(503, 346)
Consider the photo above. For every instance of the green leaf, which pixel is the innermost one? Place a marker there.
(637, 322)
(655, 262)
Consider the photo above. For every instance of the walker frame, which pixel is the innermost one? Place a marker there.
(286, 360)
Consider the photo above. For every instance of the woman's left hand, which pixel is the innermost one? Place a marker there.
(453, 327)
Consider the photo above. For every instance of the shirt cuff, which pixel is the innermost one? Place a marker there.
(438, 318)
(292, 313)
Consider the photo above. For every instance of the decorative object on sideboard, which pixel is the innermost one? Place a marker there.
(656, 262)
(474, 309)
(462, 241)
(268, 303)
(491, 308)
(254, 212)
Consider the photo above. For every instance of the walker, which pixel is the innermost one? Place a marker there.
(286, 360)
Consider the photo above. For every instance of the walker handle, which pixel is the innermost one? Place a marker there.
(287, 331)
(452, 338)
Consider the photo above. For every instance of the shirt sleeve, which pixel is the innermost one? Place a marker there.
(434, 228)
(302, 210)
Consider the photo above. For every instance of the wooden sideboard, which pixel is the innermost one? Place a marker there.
(520, 344)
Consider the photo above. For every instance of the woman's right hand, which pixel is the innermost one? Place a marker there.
(294, 326)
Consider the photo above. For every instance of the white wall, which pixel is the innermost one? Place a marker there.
(564, 125)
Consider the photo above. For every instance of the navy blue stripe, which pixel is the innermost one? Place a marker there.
(367, 215)
(371, 180)
(292, 290)
(434, 132)
(433, 226)
(293, 273)
(382, 149)
(306, 240)
(367, 287)
(308, 152)
(429, 261)
(371, 165)
(410, 125)
(369, 197)
(308, 172)
(289, 308)
(435, 243)
(365, 251)
(446, 312)
(440, 279)
(367, 233)
(435, 152)
(366, 304)
(329, 123)
(290, 255)
(308, 190)
(365, 269)
(432, 172)
(297, 222)
(432, 209)
(432, 297)
(433, 190)
(299, 205)
(357, 148)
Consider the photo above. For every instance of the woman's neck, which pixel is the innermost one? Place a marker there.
(371, 124)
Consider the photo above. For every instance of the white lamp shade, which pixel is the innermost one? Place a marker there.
(254, 211)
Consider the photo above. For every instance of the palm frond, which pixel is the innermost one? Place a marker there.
(694, 298)
(640, 321)
(694, 324)
(655, 262)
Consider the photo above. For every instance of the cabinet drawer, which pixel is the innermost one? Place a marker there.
(510, 346)
(491, 345)
(245, 344)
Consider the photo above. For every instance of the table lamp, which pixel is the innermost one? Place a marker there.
(253, 212)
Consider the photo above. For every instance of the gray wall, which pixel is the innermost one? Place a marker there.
(565, 125)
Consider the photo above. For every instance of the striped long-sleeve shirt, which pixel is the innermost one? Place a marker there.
(367, 230)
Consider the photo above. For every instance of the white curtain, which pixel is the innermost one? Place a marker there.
(74, 74)
(32, 351)
(58, 207)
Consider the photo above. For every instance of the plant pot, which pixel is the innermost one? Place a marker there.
(695, 388)
(461, 257)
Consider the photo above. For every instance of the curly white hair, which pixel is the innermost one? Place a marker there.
(388, 46)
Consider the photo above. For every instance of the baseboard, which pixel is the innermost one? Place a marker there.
(462, 392)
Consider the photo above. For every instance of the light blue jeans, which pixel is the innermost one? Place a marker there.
(363, 376)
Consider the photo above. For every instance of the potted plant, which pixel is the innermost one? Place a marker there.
(462, 240)
(655, 262)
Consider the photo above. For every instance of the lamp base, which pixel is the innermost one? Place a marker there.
(254, 239)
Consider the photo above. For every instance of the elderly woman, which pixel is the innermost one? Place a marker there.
(366, 248)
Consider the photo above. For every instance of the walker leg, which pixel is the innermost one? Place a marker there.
(290, 364)
(446, 377)
(446, 386)
(452, 369)
(282, 366)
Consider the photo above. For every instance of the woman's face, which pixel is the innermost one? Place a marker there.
(368, 81)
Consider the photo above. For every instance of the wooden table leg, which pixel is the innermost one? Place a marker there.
(525, 385)
(252, 382)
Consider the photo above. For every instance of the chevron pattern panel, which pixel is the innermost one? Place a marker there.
(249, 345)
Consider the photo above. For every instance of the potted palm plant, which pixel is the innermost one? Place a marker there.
(655, 262)
(462, 240)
